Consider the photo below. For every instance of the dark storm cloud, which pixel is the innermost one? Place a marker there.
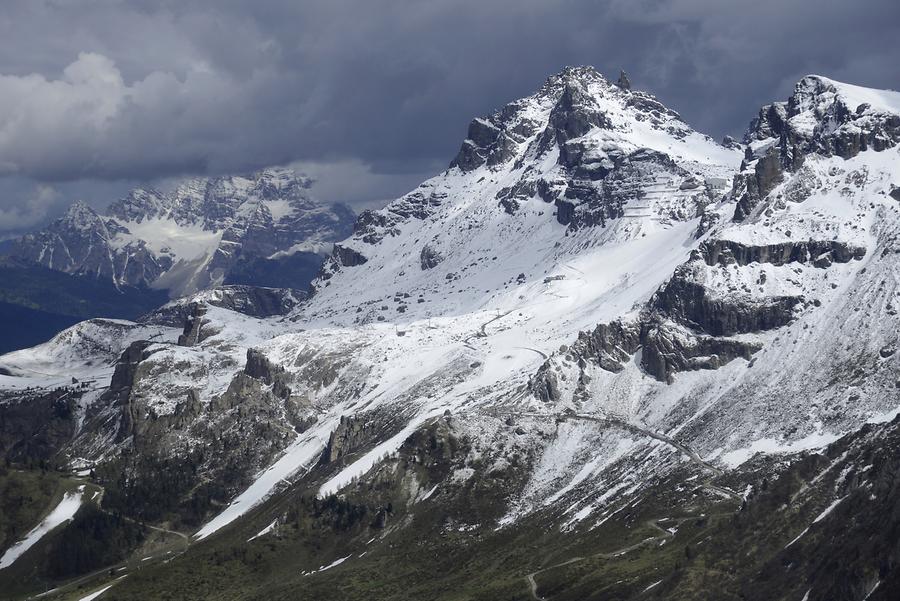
(103, 90)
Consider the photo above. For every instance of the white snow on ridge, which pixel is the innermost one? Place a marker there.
(333, 564)
(828, 510)
(97, 594)
(165, 236)
(770, 446)
(64, 512)
(303, 452)
(264, 531)
(881, 100)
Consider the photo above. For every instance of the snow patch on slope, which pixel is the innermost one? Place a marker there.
(64, 512)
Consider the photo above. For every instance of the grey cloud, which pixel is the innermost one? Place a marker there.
(98, 91)
(34, 205)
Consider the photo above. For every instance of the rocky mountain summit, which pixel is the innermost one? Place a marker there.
(600, 356)
(196, 236)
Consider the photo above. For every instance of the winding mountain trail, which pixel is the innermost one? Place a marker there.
(652, 523)
(121, 568)
(663, 534)
(543, 355)
(686, 450)
(636, 429)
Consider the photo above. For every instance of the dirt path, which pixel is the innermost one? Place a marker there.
(481, 332)
(683, 448)
(120, 568)
(543, 355)
(663, 533)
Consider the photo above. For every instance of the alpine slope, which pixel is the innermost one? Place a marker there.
(593, 297)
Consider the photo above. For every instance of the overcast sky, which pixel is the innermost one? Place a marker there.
(370, 96)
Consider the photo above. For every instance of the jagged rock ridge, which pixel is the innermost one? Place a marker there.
(192, 237)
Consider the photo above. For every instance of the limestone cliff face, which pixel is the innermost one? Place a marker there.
(350, 435)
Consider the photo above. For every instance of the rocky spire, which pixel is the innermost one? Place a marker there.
(623, 81)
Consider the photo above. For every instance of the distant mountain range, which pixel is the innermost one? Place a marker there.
(193, 237)
(262, 229)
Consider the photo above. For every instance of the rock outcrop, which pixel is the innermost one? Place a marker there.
(693, 304)
(259, 367)
(765, 175)
(348, 257)
(350, 435)
(820, 117)
(119, 394)
(429, 258)
(820, 253)
(193, 326)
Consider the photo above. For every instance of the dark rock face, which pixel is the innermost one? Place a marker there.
(767, 174)
(730, 143)
(666, 350)
(690, 303)
(839, 130)
(588, 203)
(727, 252)
(544, 384)
(341, 256)
(565, 211)
(260, 368)
(574, 115)
(485, 143)
(421, 203)
(610, 345)
(623, 81)
(429, 258)
(510, 198)
(350, 435)
(187, 411)
(475, 148)
(895, 193)
(348, 257)
(119, 396)
(34, 426)
(192, 326)
(770, 123)
(256, 301)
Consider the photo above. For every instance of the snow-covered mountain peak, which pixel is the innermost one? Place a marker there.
(825, 117)
(190, 237)
(80, 216)
(576, 112)
(580, 155)
(815, 91)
